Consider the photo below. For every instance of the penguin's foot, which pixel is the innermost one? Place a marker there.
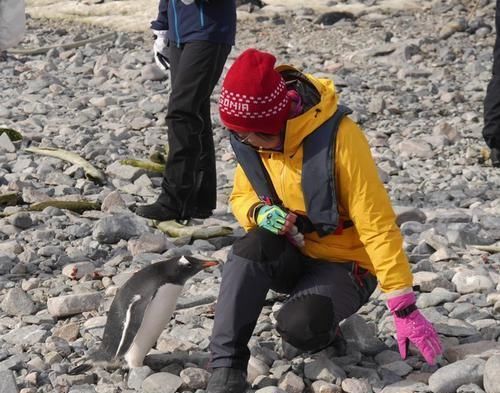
(227, 380)
(90, 363)
(98, 357)
(134, 363)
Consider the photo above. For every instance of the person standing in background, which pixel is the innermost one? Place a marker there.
(12, 23)
(193, 40)
(491, 130)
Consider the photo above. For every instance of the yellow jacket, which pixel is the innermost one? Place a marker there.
(374, 241)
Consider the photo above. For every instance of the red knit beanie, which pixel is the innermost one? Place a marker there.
(254, 95)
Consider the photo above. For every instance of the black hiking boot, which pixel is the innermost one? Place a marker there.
(339, 344)
(495, 157)
(158, 211)
(200, 213)
(227, 380)
(162, 212)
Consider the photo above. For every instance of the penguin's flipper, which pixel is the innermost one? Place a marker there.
(133, 321)
(119, 317)
(155, 318)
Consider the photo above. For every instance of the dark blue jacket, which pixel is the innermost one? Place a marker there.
(202, 20)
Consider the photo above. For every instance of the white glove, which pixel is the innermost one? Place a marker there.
(295, 237)
(160, 49)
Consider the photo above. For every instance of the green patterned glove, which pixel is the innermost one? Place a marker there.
(273, 218)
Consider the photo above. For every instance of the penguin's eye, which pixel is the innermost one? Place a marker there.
(184, 263)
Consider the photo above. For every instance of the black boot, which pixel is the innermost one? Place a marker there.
(227, 380)
(201, 213)
(158, 211)
(339, 344)
(495, 157)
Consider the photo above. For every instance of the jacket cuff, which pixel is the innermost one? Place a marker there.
(160, 33)
(252, 212)
(395, 293)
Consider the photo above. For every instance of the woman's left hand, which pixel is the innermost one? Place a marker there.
(412, 326)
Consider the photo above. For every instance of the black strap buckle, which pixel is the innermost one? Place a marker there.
(404, 312)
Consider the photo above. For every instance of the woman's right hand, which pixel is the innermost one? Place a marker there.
(275, 219)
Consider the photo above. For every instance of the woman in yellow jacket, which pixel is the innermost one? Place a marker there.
(320, 226)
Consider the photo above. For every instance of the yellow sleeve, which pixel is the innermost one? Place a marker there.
(367, 203)
(243, 199)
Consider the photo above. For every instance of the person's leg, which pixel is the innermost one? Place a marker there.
(257, 262)
(496, 52)
(174, 53)
(205, 196)
(205, 193)
(199, 69)
(325, 295)
(194, 68)
(491, 130)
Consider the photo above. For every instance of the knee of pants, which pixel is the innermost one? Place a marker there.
(307, 322)
(260, 245)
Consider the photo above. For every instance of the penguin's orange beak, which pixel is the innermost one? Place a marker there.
(207, 264)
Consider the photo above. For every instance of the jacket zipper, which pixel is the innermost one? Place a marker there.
(202, 15)
(282, 178)
(176, 24)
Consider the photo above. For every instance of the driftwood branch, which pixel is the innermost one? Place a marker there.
(92, 172)
(76, 44)
(10, 198)
(144, 164)
(174, 229)
(75, 206)
(494, 248)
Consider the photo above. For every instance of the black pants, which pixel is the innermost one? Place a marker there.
(321, 295)
(189, 181)
(491, 130)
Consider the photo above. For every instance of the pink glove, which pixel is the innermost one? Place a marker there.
(412, 326)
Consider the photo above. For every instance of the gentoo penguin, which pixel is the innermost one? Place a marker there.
(143, 306)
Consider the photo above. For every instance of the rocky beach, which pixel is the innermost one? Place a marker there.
(85, 107)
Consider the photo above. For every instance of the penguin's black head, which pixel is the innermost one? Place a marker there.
(188, 266)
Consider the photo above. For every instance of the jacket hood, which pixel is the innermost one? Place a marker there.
(320, 103)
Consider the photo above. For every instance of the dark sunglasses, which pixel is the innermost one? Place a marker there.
(243, 137)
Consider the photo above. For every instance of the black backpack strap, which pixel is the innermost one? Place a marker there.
(254, 169)
(318, 175)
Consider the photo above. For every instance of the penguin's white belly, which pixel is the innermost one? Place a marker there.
(156, 317)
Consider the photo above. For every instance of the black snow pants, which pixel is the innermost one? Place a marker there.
(322, 294)
(189, 181)
(491, 130)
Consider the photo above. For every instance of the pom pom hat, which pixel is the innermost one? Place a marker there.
(254, 95)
